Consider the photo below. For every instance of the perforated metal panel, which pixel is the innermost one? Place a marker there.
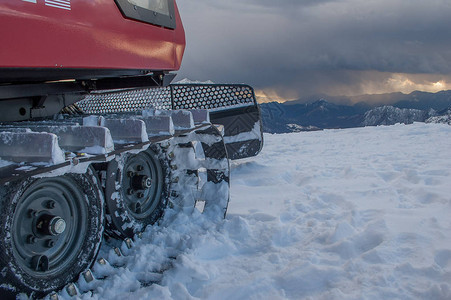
(233, 106)
(211, 96)
(177, 96)
(126, 101)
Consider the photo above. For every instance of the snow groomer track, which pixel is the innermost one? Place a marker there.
(107, 167)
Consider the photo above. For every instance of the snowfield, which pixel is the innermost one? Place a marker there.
(360, 213)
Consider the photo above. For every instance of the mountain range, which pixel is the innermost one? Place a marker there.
(323, 112)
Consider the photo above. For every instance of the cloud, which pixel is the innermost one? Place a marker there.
(293, 47)
(407, 83)
(352, 83)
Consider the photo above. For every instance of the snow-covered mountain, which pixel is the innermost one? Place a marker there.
(318, 114)
(298, 128)
(297, 116)
(443, 117)
(360, 213)
(389, 115)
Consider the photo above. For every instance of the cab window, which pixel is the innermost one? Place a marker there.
(157, 12)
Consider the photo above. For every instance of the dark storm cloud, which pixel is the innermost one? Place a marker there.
(341, 46)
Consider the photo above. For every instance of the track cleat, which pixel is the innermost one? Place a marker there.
(101, 270)
(87, 275)
(53, 296)
(71, 290)
(117, 251)
(128, 243)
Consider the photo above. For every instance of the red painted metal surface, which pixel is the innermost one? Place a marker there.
(93, 34)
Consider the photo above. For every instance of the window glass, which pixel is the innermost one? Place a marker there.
(159, 6)
(156, 12)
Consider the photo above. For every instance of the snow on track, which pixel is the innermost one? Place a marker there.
(337, 214)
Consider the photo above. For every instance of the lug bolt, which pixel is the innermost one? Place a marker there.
(32, 213)
(50, 204)
(146, 182)
(130, 191)
(140, 195)
(31, 239)
(50, 243)
(139, 168)
(130, 174)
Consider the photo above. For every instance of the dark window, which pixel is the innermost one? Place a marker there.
(157, 12)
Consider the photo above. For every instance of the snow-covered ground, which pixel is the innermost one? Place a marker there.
(359, 213)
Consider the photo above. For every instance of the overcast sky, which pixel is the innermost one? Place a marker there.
(288, 49)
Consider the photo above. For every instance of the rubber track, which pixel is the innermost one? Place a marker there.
(122, 250)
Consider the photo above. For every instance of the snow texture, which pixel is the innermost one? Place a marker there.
(336, 214)
(4, 163)
(189, 81)
(299, 128)
(254, 134)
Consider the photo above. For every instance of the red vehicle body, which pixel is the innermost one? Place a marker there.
(36, 37)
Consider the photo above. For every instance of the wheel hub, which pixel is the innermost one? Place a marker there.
(47, 223)
(141, 185)
(138, 184)
(54, 227)
(141, 182)
(57, 225)
(51, 225)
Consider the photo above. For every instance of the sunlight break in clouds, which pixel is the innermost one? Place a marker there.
(270, 95)
(402, 83)
(406, 83)
(355, 83)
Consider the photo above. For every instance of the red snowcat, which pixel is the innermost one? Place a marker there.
(95, 140)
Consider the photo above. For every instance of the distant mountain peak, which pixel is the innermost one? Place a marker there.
(389, 115)
(320, 103)
(443, 117)
(416, 99)
(323, 112)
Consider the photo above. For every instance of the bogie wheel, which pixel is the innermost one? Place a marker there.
(136, 191)
(51, 232)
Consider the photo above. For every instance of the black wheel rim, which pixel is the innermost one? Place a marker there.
(142, 184)
(49, 226)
